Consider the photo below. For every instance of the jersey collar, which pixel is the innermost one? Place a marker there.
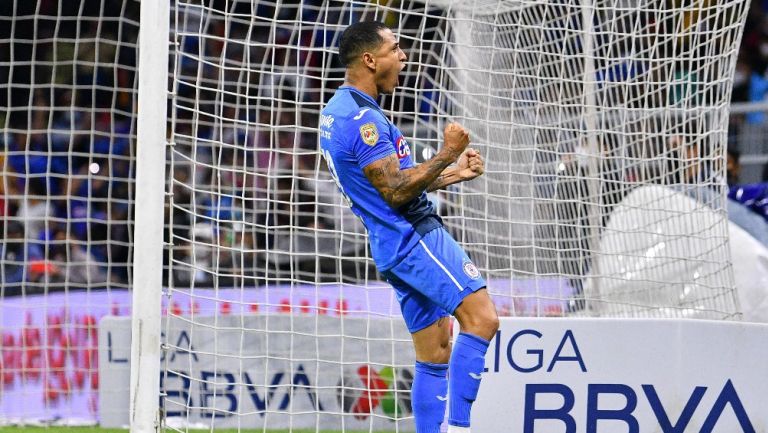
(363, 94)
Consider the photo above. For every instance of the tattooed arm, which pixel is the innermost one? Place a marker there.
(398, 187)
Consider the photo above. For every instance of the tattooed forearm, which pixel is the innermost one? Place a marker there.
(438, 183)
(397, 186)
(449, 176)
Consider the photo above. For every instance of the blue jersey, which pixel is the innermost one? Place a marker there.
(354, 132)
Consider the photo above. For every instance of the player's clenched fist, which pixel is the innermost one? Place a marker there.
(455, 139)
(471, 164)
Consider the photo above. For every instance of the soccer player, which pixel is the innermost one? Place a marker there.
(433, 277)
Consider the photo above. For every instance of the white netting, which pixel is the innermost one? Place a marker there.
(603, 126)
(68, 90)
(576, 105)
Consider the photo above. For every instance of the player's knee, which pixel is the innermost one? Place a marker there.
(435, 350)
(445, 342)
(443, 351)
(489, 323)
(483, 323)
(439, 355)
(494, 323)
(444, 354)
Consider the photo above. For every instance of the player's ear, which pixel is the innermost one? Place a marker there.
(369, 60)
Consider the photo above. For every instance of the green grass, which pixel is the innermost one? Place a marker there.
(55, 429)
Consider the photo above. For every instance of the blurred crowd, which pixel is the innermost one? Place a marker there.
(67, 153)
(68, 145)
(750, 82)
(748, 131)
(251, 201)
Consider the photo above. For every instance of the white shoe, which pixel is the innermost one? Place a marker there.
(457, 429)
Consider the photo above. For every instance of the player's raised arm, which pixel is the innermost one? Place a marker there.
(398, 187)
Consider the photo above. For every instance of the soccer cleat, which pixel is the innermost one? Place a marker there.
(457, 429)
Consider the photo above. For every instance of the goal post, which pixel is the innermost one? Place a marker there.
(152, 121)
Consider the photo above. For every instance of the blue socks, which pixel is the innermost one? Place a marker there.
(466, 366)
(428, 396)
(431, 382)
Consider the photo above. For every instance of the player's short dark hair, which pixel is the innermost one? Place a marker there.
(359, 38)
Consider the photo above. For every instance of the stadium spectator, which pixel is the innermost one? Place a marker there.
(35, 209)
(754, 52)
(13, 258)
(81, 269)
(733, 166)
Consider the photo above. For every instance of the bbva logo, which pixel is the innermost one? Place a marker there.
(666, 424)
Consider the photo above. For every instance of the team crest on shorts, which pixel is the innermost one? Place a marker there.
(403, 149)
(369, 133)
(471, 270)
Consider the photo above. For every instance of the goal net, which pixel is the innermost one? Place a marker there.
(603, 127)
(579, 107)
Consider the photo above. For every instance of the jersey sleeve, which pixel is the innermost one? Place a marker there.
(371, 138)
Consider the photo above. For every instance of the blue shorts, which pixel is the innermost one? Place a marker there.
(433, 279)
